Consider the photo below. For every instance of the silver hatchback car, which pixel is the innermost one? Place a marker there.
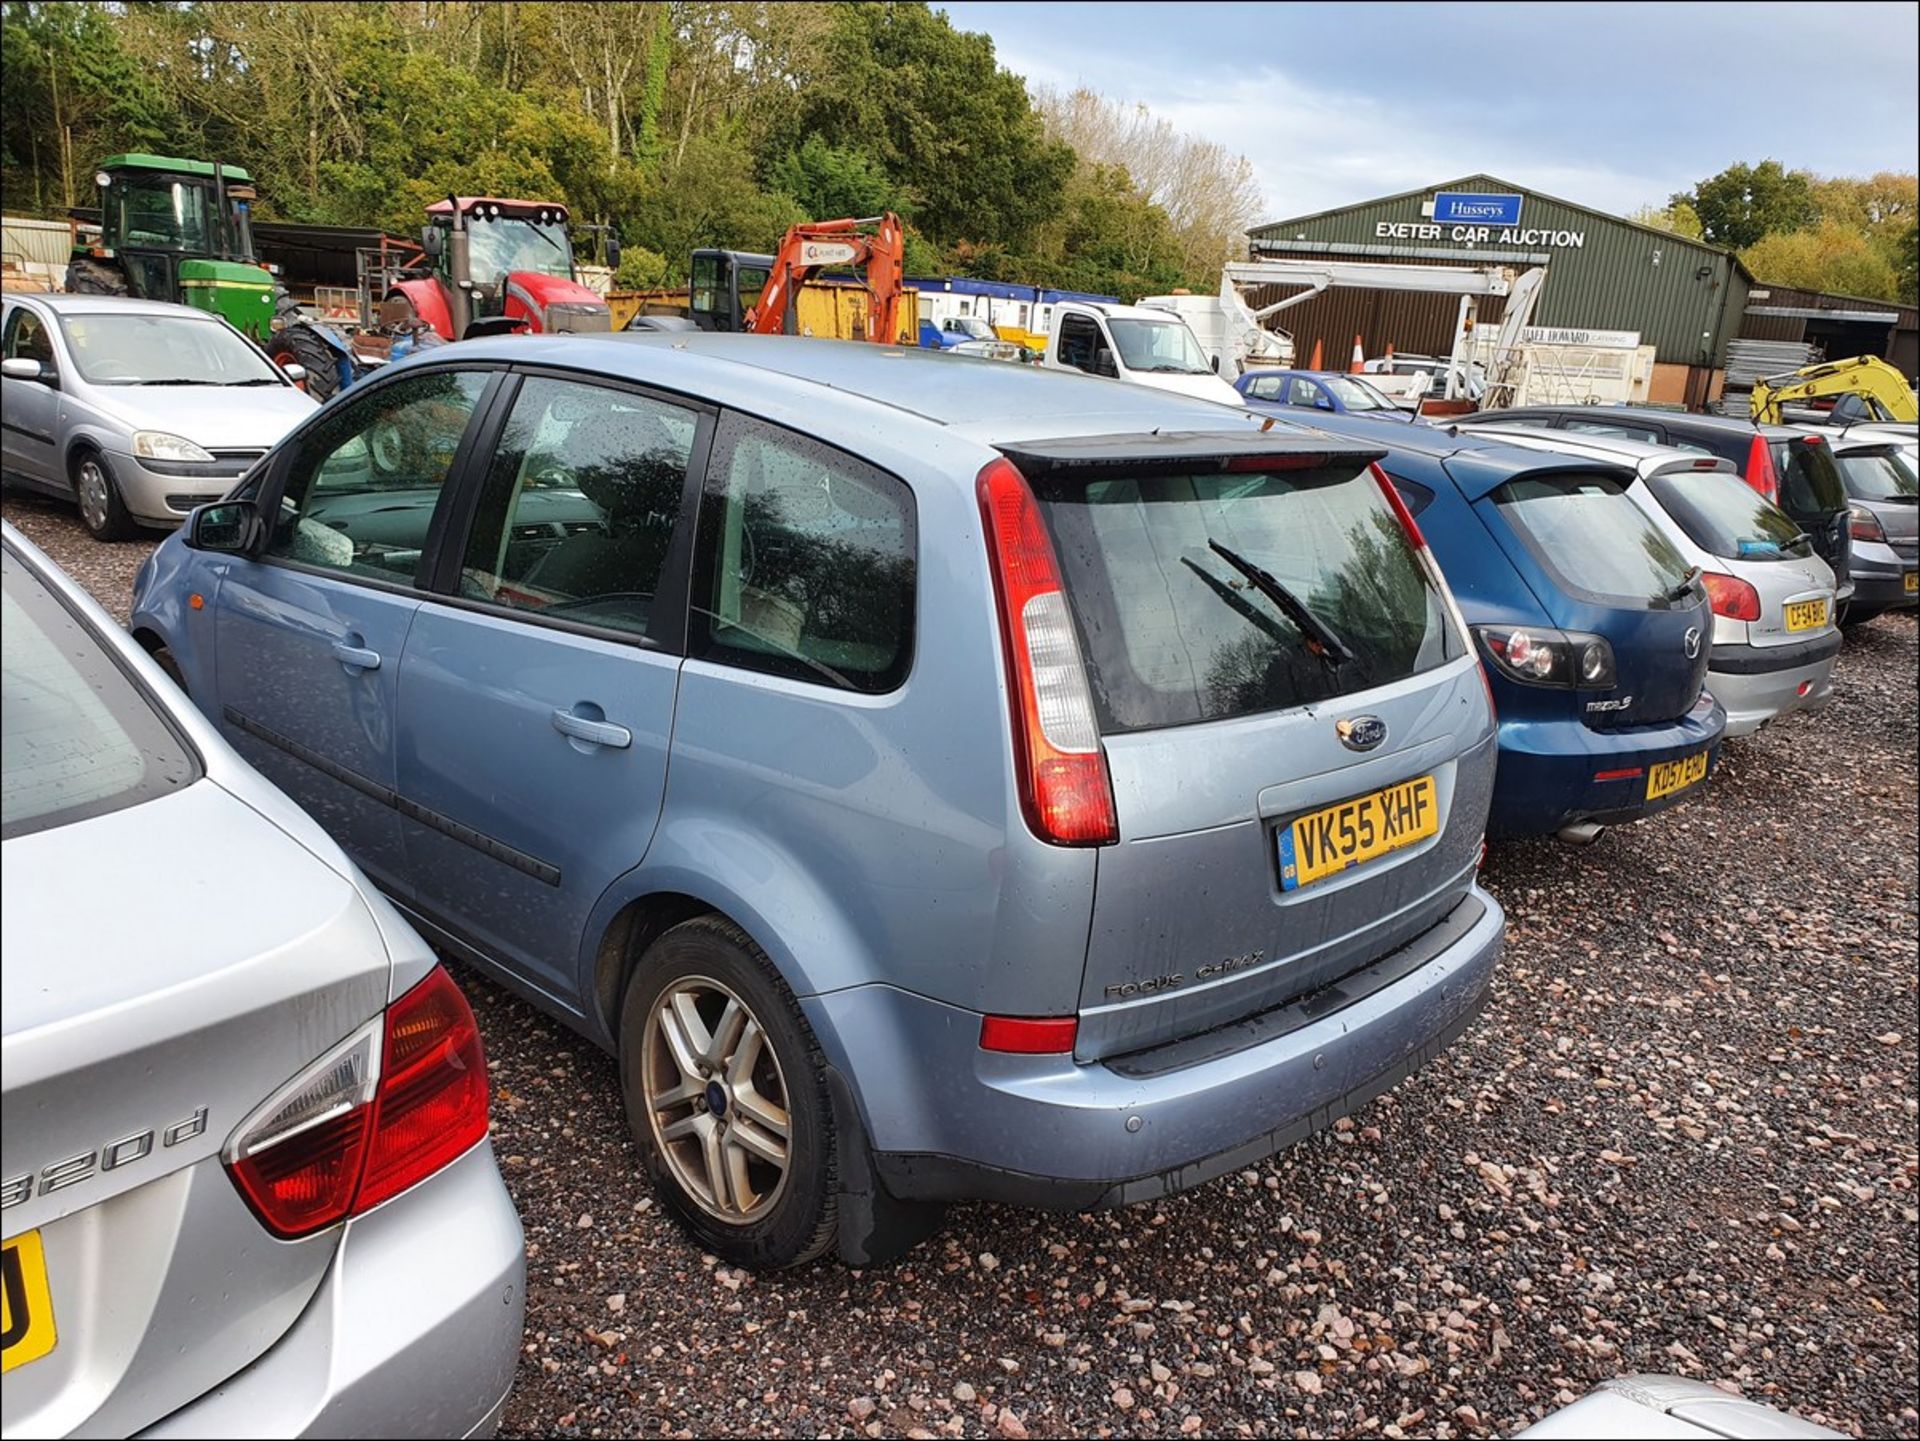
(136, 409)
(245, 1182)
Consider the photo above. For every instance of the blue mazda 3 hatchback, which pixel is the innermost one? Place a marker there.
(931, 779)
(1595, 632)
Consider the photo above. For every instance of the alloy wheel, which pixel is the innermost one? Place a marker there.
(92, 487)
(716, 1100)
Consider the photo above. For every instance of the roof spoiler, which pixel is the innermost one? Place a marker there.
(1187, 452)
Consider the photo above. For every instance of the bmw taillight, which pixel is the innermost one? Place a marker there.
(1064, 786)
(387, 1107)
(1760, 472)
(1730, 596)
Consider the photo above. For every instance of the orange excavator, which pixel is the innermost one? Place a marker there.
(725, 282)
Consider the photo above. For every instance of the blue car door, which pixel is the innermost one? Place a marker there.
(309, 632)
(537, 691)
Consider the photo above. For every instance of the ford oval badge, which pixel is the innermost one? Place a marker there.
(1361, 732)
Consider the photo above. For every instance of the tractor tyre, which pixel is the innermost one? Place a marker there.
(87, 276)
(298, 345)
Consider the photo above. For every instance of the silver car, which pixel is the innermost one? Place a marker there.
(1883, 517)
(245, 1182)
(136, 409)
(1775, 635)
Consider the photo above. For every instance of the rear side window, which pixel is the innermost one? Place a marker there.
(1174, 631)
(77, 737)
(1809, 480)
(1594, 541)
(806, 563)
(1725, 516)
(1877, 475)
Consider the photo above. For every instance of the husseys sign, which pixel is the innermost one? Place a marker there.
(1473, 219)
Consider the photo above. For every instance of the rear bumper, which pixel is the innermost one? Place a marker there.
(414, 1332)
(1758, 684)
(1879, 580)
(949, 1121)
(1548, 769)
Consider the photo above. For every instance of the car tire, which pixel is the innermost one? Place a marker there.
(97, 493)
(708, 1151)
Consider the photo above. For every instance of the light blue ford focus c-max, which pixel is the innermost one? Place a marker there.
(932, 779)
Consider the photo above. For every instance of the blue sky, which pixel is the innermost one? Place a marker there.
(1612, 105)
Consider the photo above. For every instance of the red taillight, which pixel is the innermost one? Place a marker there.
(387, 1107)
(1731, 597)
(1029, 1035)
(1760, 472)
(1064, 787)
(433, 1089)
(1863, 524)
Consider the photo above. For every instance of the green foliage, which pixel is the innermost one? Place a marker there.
(646, 116)
(829, 183)
(1744, 203)
(1677, 216)
(1828, 256)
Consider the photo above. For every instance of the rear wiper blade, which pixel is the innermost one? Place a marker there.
(1319, 636)
(1679, 592)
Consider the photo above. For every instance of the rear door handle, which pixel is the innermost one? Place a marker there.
(592, 732)
(355, 657)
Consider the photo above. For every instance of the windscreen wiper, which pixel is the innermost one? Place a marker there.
(178, 380)
(1679, 592)
(1320, 638)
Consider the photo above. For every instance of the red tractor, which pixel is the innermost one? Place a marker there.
(499, 266)
(484, 266)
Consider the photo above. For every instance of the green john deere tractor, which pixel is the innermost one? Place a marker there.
(177, 230)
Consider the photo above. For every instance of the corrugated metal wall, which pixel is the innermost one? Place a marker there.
(1685, 299)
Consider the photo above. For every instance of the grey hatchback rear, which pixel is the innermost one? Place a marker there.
(933, 779)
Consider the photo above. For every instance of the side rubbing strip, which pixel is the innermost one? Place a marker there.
(487, 845)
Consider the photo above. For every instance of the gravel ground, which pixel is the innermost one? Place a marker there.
(1682, 1139)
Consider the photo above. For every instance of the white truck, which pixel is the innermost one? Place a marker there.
(1229, 332)
(1134, 343)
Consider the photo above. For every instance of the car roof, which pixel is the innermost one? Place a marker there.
(985, 400)
(1130, 312)
(1629, 451)
(1725, 424)
(1493, 460)
(108, 304)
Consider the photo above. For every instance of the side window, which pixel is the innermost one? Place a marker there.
(27, 338)
(580, 504)
(806, 562)
(1079, 338)
(1304, 393)
(1267, 387)
(1415, 496)
(363, 486)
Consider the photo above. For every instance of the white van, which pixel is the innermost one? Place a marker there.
(1146, 347)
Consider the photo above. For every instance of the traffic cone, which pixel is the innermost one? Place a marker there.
(1359, 358)
(1314, 364)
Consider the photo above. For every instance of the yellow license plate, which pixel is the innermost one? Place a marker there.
(26, 1305)
(1325, 841)
(1666, 777)
(1806, 614)
(1912, 581)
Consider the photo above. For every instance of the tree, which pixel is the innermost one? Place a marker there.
(828, 182)
(1677, 216)
(1745, 203)
(1208, 192)
(1829, 256)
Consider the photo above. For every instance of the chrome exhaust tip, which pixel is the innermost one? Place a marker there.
(1581, 833)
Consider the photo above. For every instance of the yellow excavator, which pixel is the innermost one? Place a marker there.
(1883, 391)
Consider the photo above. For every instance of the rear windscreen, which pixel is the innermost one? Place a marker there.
(1878, 475)
(1202, 597)
(1809, 480)
(1725, 516)
(1594, 540)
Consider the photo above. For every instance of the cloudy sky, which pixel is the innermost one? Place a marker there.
(1613, 105)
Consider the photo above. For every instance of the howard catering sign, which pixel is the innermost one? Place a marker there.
(1472, 219)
